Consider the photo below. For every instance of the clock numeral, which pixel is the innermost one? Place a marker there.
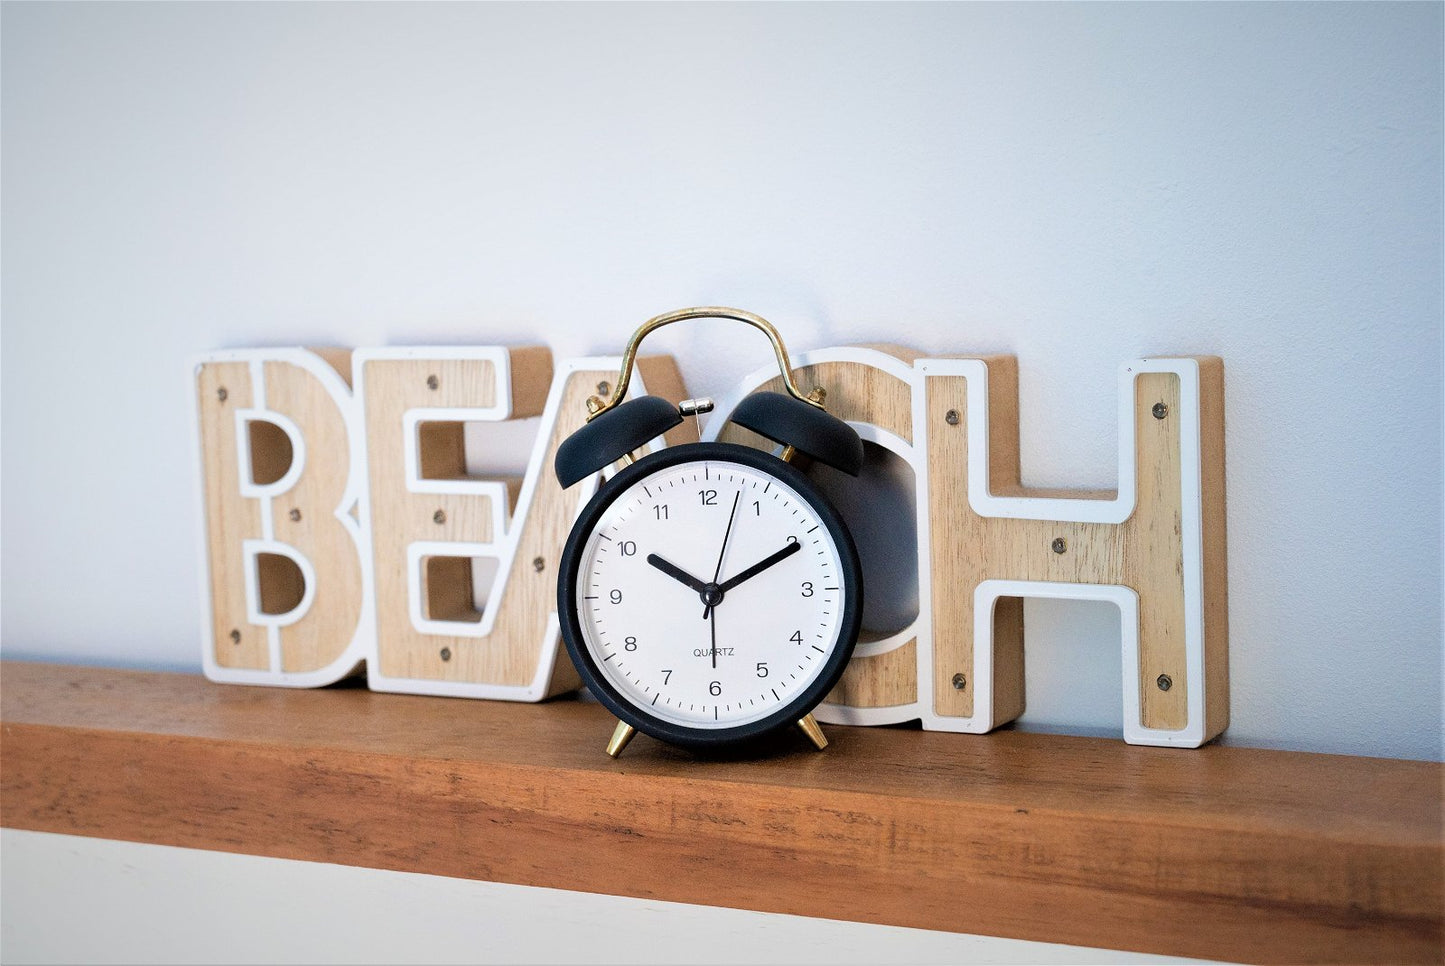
(615, 596)
(757, 509)
(807, 589)
(628, 548)
(661, 511)
(666, 675)
(797, 637)
(762, 669)
(709, 497)
(629, 643)
(715, 688)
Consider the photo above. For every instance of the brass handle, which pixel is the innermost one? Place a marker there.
(596, 405)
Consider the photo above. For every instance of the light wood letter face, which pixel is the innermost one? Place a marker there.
(284, 580)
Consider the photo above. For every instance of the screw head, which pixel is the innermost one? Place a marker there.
(959, 682)
(439, 517)
(295, 514)
(1164, 681)
(538, 564)
(1059, 545)
(221, 394)
(1160, 410)
(603, 388)
(951, 417)
(432, 382)
(446, 654)
(235, 636)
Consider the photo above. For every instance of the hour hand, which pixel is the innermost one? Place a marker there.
(676, 573)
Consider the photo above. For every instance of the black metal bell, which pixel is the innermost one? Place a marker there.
(612, 435)
(806, 428)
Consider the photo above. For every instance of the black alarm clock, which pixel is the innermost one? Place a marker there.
(709, 593)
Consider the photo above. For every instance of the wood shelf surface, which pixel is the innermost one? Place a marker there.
(1220, 852)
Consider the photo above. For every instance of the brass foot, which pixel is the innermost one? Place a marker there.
(809, 727)
(620, 737)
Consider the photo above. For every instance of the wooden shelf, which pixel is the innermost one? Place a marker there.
(1225, 853)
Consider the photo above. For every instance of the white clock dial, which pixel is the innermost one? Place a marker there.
(710, 530)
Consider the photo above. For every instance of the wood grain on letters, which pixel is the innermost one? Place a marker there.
(305, 517)
(1144, 552)
(302, 517)
(509, 655)
(222, 388)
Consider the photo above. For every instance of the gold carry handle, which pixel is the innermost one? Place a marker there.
(596, 405)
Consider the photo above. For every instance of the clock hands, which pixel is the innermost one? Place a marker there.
(712, 593)
(676, 573)
(707, 602)
(760, 566)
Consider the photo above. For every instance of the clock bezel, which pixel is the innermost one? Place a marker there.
(851, 574)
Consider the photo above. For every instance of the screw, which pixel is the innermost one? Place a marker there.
(603, 388)
(538, 564)
(446, 654)
(439, 517)
(1160, 410)
(959, 682)
(951, 417)
(221, 394)
(294, 515)
(1059, 545)
(1164, 681)
(432, 382)
(235, 636)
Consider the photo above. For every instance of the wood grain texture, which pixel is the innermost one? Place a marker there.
(1216, 566)
(1144, 553)
(1225, 853)
(303, 517)
(509, 655)
(221, 389)
(879, 680)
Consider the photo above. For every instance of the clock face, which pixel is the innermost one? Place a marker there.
(717, 593)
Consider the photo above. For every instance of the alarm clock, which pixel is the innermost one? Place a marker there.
(709, 593)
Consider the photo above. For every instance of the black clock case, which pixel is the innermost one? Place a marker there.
(793, 711)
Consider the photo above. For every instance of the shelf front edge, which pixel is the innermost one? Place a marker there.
(673, 831)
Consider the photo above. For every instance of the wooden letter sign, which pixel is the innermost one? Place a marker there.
(344, 528)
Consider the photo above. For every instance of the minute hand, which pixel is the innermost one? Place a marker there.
(760, 566)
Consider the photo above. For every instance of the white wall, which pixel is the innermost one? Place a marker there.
(1074, 184)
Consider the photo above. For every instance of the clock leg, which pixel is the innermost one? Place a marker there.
(809, 727)
(622, 735)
